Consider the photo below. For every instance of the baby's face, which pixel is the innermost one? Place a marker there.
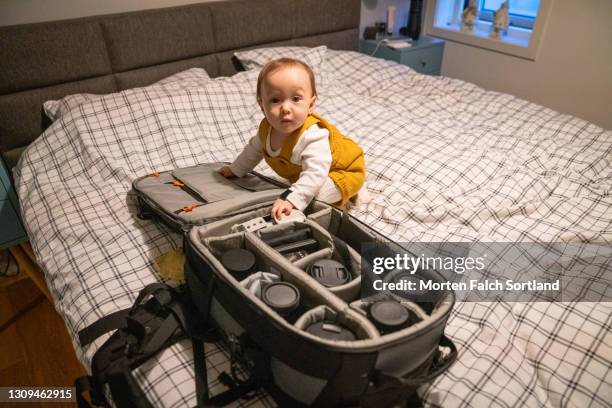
(286, 98)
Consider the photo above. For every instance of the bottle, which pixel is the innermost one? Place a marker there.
(414, 19)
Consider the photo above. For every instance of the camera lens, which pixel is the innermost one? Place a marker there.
(239, 262)
(329, 273)
(388, 315)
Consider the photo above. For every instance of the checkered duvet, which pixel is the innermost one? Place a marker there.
(446, 160)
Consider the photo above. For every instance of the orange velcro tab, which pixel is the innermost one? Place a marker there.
(177, 183)
(189, 208)
(154, 174)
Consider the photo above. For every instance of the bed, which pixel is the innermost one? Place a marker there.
(447, 161)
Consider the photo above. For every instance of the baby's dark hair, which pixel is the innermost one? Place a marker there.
(277, 64)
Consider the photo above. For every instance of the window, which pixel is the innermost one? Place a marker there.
(522, 12)
(527, 20)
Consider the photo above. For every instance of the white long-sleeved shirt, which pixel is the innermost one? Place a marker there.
(311, 152)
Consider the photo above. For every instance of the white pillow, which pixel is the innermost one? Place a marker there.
(55, 109)
(196, 76)
(314, 57)
(258, 57)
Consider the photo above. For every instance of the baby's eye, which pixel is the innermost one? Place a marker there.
(296, 98)
(274, 100)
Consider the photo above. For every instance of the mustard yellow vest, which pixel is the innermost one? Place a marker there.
(348, 164)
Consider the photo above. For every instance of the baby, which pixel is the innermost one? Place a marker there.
(299, 145)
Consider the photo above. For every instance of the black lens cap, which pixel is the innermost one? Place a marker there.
(329, 273)
(283, 297)
(330, 331)
(415, 294)
(239, 262)
(388, 315)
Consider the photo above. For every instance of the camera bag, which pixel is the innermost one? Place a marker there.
(275, 350)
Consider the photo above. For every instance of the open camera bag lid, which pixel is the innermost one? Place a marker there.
(304, 369)
(190, 196)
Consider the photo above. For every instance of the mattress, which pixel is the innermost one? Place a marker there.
(446, 161)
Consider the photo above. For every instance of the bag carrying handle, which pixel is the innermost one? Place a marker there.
(437, 368)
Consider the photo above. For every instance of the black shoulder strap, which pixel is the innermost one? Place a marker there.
(108, 323)
(153, 323)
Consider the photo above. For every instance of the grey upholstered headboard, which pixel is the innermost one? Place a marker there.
(109, 53)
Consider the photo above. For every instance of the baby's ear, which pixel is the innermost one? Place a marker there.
(312, 103)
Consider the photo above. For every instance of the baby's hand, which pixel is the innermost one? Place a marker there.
(225, 171)
(281, 207)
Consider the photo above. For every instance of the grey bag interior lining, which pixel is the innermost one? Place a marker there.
(268, 260)
(328, 250)
(313, 294)
(363, 329)
(392, 345)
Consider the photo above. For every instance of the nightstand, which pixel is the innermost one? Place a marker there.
(424, 56)
(12, 231)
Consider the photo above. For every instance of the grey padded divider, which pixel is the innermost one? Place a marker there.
(212, 248)
(269, 260)
(158, 36)
(219, 245)
(312, 293)
(346, 317)
(324, 253)
(321, 215)
(350, 290)
(354, 257)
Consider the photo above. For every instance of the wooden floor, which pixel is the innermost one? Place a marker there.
(35, 350)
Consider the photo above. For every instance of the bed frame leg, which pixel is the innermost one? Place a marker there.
(24, 255)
